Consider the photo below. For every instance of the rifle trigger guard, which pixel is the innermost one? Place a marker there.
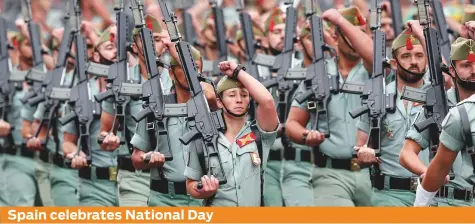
(151, 125)
(311, 105)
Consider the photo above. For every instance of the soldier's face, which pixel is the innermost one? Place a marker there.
(307, 45)
(159, 45)
(25, 49)
(236, 100)
(108, 51)
(267, 5)
(209, 31)
(387, 28)
(414, 60)
(178, 75)
(465, 70)
(90, 48)
(276, 37)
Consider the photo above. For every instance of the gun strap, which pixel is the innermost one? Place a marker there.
(258, 141)
(467, 132)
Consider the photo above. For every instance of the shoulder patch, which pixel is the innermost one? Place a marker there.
(246, 139)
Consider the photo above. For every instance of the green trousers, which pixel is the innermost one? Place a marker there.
(97, 192)
(393, 198)
(42, 175)
(158, 199)
(338, 187)
(18, 185)
(273, 184)
(64, 186)
(296, 183)
(134, 188)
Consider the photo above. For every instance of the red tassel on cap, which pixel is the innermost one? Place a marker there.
(409, 45)
(149, 25)
(271, 25)
(15, 42)
(471, 57)
(361, 20)
(111, 37)
(260, 2)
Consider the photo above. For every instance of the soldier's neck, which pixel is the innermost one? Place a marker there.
(182, 95)
(401, 84)
(143, 69)
(211, 53)
(23, 65)
(345, 65)
(464, 94)
(306, 61)
(233, 125)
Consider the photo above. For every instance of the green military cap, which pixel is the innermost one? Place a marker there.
(405, 39)
(17, 38)
(255, 29)
(194, 52)
(463, 49)
(306, 29)
(277, 17)
(227, 83)
(353, 15)
(152, 23)
(105, 36)
(469, 13)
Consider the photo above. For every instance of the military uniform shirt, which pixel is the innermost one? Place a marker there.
(453, 136)
(177, 127)
(393, 131)
(100, 158)
(39, 113)
(342, 126)
(423, 140)
(242, 174)
(134, 106)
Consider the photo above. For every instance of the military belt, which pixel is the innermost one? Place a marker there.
(458, 194)
(290, 153)
(126, 164)
(342, 164)
(167, 187)
(102, 173)
(274, 155)
(395, 183)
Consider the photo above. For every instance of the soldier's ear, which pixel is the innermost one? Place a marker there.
(134, 48)
(393, 64)
(96, 56)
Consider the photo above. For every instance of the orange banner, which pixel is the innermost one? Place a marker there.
(234, 215)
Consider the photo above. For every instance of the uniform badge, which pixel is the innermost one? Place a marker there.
(255, 159)
(390, 133)
(246, 139)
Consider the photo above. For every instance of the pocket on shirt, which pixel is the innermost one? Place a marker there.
(393, 126)
(245, 155)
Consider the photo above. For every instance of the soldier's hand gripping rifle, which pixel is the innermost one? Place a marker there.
(376, 103)
(37, 73)
(81, 100)
(435, 98)
(221, 40)
(7, 86)
(204, 124)
(156, 105)
(319, 85)
(120, 88)
(55, 93)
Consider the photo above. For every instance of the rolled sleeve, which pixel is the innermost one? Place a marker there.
(452, 134)
(268, 138)
(40, 111)
(418, 138)
(193, 169)
(298, 92)
(108, 107)
(363, 126)
(27, 112)
(71, 126)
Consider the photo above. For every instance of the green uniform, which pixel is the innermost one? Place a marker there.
(334, 184)
(240, 167)
(453, 137)
(393, 187)
(97, 183)
(17, 173)
(170, 189)
(63, 180)
(134, 185)
(458, 183)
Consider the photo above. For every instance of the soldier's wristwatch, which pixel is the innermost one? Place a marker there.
(237, 70)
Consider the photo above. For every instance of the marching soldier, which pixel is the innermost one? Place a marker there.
(97, 181)
(134, 185)
(457, 136)
(237, 146)
(335, 181)
(393, 184)
(167, 183)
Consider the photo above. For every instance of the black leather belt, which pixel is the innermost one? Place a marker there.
(459, 194)
(409, 184)
(274, 155)
(102, 173)
(126, 164)
(25, 152)
(44, 155)
(9, 150)
(162, 186)
(290, 153)
(342, 164)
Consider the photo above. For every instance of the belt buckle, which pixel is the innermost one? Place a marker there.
(354, 166)
(113, 173)
(151, 125)
(311, 105)
(413, 184)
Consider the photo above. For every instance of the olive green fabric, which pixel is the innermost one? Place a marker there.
(227, 83)
(462, 48)
(277, 17)
(403, 40)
